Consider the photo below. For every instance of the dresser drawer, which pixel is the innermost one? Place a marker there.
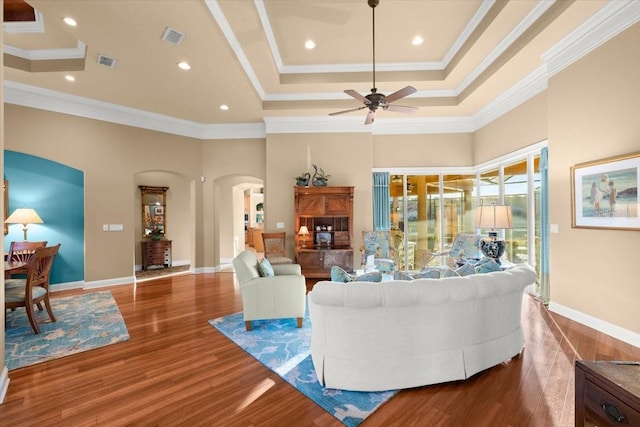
(604, 405)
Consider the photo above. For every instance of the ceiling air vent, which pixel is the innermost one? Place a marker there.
(172, 36)
(106, 61)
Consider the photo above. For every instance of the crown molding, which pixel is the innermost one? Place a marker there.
(47, 54)
(608, 22)
(25, 27)
(611, 20)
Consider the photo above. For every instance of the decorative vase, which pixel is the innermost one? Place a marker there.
(156, 237)
(320, 182)
(493, 248)
(303, 180)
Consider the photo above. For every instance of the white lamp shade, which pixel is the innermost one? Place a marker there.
(24, 216)
(303, 230)
(493, 217)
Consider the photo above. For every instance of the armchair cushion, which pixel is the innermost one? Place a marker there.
(265, 268)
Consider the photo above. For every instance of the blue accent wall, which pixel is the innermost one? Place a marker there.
(56, 192)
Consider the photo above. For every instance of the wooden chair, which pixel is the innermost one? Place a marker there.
(274, 248)
(22, 252)
(36, 286)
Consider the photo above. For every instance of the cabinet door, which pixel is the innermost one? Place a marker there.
(337, 204)
(311, 260)
(311, 204)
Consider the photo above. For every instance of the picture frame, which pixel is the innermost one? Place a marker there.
(604, 193)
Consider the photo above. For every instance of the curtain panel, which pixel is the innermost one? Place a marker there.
(544, 226)
(381, 201)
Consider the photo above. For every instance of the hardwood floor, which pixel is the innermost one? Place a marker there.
(177, 370)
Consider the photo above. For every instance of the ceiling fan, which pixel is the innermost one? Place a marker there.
(376, 100)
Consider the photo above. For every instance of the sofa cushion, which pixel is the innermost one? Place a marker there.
(401, 275)
(449, 272)
(338, 274)
(265, 268)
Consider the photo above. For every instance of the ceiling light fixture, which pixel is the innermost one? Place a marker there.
(69, 78)
(184, 65)
(224, 107)
(70, 21)
(417, 41)
(310, 44)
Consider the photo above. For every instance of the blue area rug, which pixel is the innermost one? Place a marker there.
(84, 322)
(284, 349)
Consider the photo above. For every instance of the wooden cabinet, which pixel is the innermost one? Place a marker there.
(607, 393)
(327, 212)
(156, 252)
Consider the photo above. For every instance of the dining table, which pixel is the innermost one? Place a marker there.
(13, 265)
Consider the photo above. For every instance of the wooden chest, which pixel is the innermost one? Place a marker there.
(156, 253)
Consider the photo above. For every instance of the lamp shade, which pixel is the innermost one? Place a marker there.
(303, 230)
(24, 216)
(493, 217)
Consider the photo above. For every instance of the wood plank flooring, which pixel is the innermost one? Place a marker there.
(177, 370)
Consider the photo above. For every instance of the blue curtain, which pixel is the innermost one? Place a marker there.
(544, 226)
(381, 201)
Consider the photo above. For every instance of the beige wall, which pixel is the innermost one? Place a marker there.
(443, 150)
(517, 129)
(594, 113)
(3, 379)
(110, 156)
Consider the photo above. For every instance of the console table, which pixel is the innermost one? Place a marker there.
(607, 393)
(156, 252)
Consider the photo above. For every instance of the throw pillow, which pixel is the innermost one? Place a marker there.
(384, 265)
(487, 265)
(449, 273)
(401, 275)
(265, 268)
(427, 273)
(466, 269)
(374, 276)
(338, 274)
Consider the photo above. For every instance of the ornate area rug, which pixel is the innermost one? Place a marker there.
(84, 322)
(284, 349)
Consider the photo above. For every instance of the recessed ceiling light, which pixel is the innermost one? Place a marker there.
(310, 44)
(184, 65)
(69, 78)
(417, 41)
(224, 107)
(70, 21)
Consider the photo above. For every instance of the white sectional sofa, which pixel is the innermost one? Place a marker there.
(398, 334)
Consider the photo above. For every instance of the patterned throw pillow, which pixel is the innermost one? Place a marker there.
(338, 274)
(449, 273)
(374, 276)
(487, 265)
(401, 275)
(265, 268)
(427, 273)
(466, 270)
(384, 265)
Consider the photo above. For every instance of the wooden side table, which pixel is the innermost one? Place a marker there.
(607, 393)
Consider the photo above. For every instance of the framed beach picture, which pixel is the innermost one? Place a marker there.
(604, 193)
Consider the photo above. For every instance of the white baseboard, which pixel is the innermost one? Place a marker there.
(4, 383)
(109, 282)
(599, 325)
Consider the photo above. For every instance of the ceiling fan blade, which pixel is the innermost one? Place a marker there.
(400, 108)
(371, 115)
(357, 96)
(347, 111)
(400, 94)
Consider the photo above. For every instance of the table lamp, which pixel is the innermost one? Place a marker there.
(493, 217)
(24, 216)
(303, 232)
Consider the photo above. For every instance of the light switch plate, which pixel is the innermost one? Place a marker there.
(105, 227)
(279, 224)
(116, 227)
(553, 228)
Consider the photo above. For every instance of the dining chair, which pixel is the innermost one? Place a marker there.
(22, 252)
(274, 248)
(35, 287)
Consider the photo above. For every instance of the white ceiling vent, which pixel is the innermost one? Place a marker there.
(172, 36)
(106, 61)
